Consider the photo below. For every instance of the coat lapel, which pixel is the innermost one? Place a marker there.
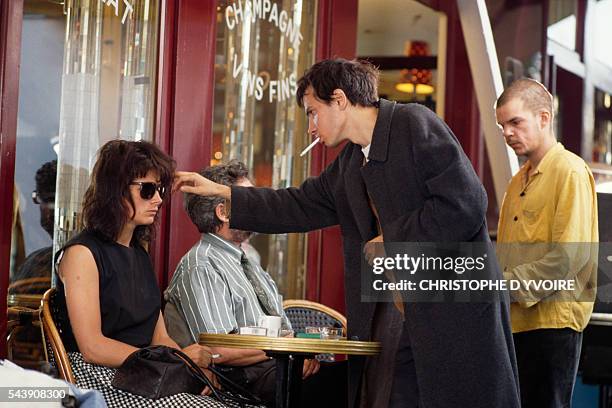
(357, 176)
(358, 197)
(380, 139)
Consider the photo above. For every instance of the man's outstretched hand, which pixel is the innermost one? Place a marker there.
(194, 183)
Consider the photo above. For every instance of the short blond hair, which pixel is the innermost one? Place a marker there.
(534, 95)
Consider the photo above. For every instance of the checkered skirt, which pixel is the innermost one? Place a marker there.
(99, 378)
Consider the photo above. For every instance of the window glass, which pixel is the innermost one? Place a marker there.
(562, 22)
(263, 47)
(602, 33)
(403, 40)
(108, 92)
(87, 75)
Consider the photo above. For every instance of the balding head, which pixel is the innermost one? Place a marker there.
(524, 112)
(534, 95)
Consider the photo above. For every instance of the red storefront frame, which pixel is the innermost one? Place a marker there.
(336, 37)
(10, 44)
(185, 128)
(184, 114)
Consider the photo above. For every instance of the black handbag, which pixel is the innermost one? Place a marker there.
(160, 371)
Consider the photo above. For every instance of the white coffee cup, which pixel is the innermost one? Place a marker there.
(271, 323)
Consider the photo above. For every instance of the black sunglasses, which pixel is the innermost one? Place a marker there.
(148, 189)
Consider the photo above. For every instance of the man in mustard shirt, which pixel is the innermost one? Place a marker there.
(547, 232)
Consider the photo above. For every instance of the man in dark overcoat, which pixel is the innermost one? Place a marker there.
(401, 177)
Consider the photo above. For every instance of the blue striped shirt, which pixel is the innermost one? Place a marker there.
(210, 289)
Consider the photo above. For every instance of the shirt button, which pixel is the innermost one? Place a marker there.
(515, 218)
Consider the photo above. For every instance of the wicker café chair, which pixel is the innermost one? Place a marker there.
(304, 313)
(53, 325)
(23, 340)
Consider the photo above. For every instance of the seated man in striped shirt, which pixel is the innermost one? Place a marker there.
(217, 288)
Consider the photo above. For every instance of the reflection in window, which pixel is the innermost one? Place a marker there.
(42, 38)
(43, 32)
(108, 91)
(261, 53)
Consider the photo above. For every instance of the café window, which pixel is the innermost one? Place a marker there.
(602, 146)
(108, 92)
(87, 75)
(602, 143)
(262, 48)
(403, 40)
(601, 31)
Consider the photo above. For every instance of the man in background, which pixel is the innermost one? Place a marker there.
(551, 200)
(38, 263)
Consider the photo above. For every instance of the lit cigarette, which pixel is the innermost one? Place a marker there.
(310, 146)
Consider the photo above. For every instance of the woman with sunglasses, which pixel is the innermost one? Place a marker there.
(106, 276)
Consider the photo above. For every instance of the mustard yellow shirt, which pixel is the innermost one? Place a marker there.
(548, 230)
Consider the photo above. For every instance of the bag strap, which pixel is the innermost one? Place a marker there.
(197, 371)
(235, 388)
(242, 397)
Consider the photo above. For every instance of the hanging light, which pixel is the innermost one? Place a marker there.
(421, 89)
(415, 81)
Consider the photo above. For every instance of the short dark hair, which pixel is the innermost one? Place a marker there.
(357, 78)
(119, 163)
(534, 95)
(201, 210)
(46, 177)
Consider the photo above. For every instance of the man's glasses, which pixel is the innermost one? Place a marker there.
(42, 198)
(148, 189)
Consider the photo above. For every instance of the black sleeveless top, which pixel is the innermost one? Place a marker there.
(130, 300)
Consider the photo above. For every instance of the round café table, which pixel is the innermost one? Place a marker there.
(289, 353)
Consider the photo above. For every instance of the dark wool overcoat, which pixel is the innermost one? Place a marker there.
(424, 189)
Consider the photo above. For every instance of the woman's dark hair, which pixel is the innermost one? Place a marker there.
(105, 205)
(201, 209)
(357, 78)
